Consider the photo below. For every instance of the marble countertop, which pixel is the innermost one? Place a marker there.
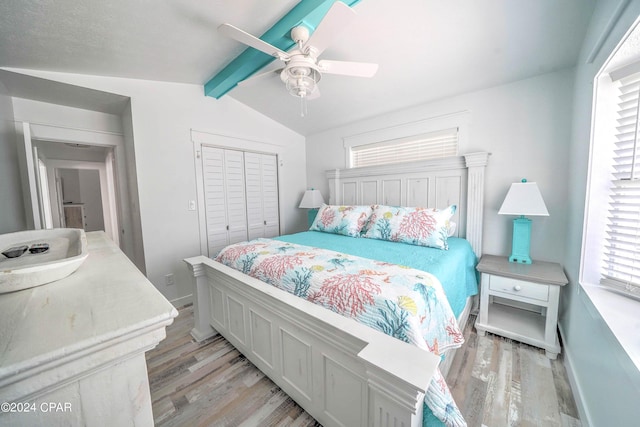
(105, 303)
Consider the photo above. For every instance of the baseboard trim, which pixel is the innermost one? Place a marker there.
(585, 418)
(182, 301)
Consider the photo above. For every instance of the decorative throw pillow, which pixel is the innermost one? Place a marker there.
(451, 231)
(346, 220)
(416, 226)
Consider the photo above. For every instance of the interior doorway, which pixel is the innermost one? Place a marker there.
(40, 144)
(81, 199)
(82, 195)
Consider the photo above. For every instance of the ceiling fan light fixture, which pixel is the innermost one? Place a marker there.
(301, 81)
(302, 70)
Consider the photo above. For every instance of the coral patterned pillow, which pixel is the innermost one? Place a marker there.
(346, 220)
(416, 226)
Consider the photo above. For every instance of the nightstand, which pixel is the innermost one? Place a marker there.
(520, 301)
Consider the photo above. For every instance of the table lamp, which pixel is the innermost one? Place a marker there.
(311, 200)
(523, 198)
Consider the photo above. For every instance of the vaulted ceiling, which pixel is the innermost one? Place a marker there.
(427, 49)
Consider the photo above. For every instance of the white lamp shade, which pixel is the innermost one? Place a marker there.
(524, 198)
(312, 199)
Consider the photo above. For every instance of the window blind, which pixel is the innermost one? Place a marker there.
(418, 147)
(621, 269)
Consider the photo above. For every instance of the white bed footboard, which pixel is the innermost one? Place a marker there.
(341, 372)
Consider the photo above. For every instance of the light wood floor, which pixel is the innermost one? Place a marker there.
(495, 381)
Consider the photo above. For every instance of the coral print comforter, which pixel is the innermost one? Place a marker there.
(402, 302)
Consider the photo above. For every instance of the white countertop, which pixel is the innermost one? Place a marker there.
(105, 302)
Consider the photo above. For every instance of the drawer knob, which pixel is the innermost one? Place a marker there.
(517, 287)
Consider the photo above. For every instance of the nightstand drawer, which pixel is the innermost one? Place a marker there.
(520, 288)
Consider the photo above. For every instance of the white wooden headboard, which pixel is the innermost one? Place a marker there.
(432, 183)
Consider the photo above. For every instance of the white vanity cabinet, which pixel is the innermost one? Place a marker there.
(72, 352)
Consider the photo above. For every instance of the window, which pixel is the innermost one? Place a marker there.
(413, 148)
(621, 264)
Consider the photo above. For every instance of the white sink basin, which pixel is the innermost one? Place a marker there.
(67, 251)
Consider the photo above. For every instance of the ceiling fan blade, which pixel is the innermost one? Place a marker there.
(346, 68)
(252, 41)
(335, 21)
(259, 77)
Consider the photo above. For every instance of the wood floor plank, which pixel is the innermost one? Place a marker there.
(162, 409)
(565, 397)
(497, 403)
(540, 403)
(187, 381)
(250, 402)
(262, 415)
(515, 404)
(484, 355)
(222, 380)
(462, 367)
(515, 397)
(472, 407)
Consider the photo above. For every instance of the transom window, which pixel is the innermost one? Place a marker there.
(425, 146)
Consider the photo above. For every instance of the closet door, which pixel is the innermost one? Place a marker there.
(253, 176)
(236, 196)
(261, 173)
(224, 193)
(271, 208)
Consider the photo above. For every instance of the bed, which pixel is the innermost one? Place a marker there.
(341, 372)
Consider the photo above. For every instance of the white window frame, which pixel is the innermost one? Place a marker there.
(600, 178)
(618, 312)
(459, 120)
(622, 272)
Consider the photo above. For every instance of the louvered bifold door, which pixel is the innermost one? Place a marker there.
(235, 195)
(224, 193)
(261, 175)
(253, 176)
(215, 201)
(270, 204)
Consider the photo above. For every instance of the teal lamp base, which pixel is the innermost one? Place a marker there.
(521, 241)
(311, 216)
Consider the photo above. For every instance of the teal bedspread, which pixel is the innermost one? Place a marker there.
(455, 268)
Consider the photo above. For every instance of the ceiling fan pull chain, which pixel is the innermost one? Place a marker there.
(303, 106)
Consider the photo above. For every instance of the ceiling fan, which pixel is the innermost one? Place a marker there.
(302, 70)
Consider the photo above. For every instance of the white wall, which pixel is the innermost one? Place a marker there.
(70, 185)
(162, 116)
(606, 380)
(74, 118)
(12, 215)
(525, 125)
